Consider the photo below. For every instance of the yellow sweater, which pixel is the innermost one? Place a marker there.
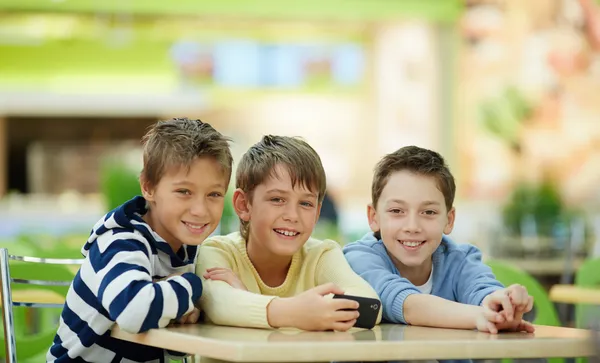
(317, 263)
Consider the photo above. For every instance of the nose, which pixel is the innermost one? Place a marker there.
(412, 224)
(290, 213)
(198, 208)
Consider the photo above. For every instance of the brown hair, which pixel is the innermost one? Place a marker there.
(259, 162)
(178, 142)
(419, 161)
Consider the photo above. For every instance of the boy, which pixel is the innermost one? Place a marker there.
(422, 277)
(285, 276)
(138, 271)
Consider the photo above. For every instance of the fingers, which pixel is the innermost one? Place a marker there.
(526, 327)
(190, 318)
(501, 298)
(518, 316)
(221, 276)
(215, 270)
(329, 288)
(491, 327)
(529, 304)
(193, 317)
(339, 304)
(519, 296)
(343, 325)
(225, 275)
(345, 315)
(182, 320)
(493, 316)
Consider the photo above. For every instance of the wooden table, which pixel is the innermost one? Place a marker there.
(572, 294)
(384, 342)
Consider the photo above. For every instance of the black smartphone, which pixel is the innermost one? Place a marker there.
(368, 309)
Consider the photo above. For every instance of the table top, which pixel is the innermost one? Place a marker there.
(384, 342)
(573, 294)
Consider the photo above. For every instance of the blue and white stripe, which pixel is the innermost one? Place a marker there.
(115, 285)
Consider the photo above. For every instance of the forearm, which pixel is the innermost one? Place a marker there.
(429, 310)
(225, 305)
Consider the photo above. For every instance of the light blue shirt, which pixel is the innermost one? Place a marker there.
(458, 274)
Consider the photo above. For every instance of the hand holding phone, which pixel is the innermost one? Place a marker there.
(314, 310)
(368, 308)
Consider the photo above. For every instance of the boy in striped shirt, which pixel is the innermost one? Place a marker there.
(139, 266)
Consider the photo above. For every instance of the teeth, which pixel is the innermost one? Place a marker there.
(411, 243)
(286, 233)
(195, 226)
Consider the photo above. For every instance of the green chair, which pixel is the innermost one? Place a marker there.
(39, 274)
(588, 275)
(545, 311)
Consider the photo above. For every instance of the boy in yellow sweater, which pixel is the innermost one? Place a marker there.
(272, 274)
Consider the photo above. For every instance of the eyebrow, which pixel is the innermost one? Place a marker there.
(187, 183)
(427, 202)
(281, 191)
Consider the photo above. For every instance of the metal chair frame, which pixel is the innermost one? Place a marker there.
(6, 280)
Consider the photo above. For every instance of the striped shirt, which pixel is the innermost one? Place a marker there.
(115, 285)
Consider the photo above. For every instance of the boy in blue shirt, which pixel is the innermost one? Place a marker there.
(139, 267)
(423, 277)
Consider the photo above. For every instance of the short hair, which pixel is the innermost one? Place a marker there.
(419, 161)
(259, 162)
(178, 142)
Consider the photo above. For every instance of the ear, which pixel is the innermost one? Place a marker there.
(450, 224)
(241, 204)
(147, 189)
(373, 218)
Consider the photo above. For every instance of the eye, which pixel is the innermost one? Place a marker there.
(395, 210)
(183, 192)
(276, 200)
(430, 212)
(215, 194)
(307, 204)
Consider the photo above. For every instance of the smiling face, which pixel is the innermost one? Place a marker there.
(412, 217)
(281, 217)
(186, 205)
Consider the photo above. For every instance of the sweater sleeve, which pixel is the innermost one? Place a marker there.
(391, 288)
(333, 267)
(119, 270)
(223, 304)
(474, 279)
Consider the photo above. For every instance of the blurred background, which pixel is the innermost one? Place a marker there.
(507, 90)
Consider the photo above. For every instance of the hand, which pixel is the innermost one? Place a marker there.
(311, 310)
(226, 275)
(504, 309)
(521, 301)
(189, 318)
(498, 302)
(487, 320)
(516, 326)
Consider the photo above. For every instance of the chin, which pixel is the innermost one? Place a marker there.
(408, 261)
(194, 241)
(285, 251)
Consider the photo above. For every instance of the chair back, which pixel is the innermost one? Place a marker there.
(34, 282)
